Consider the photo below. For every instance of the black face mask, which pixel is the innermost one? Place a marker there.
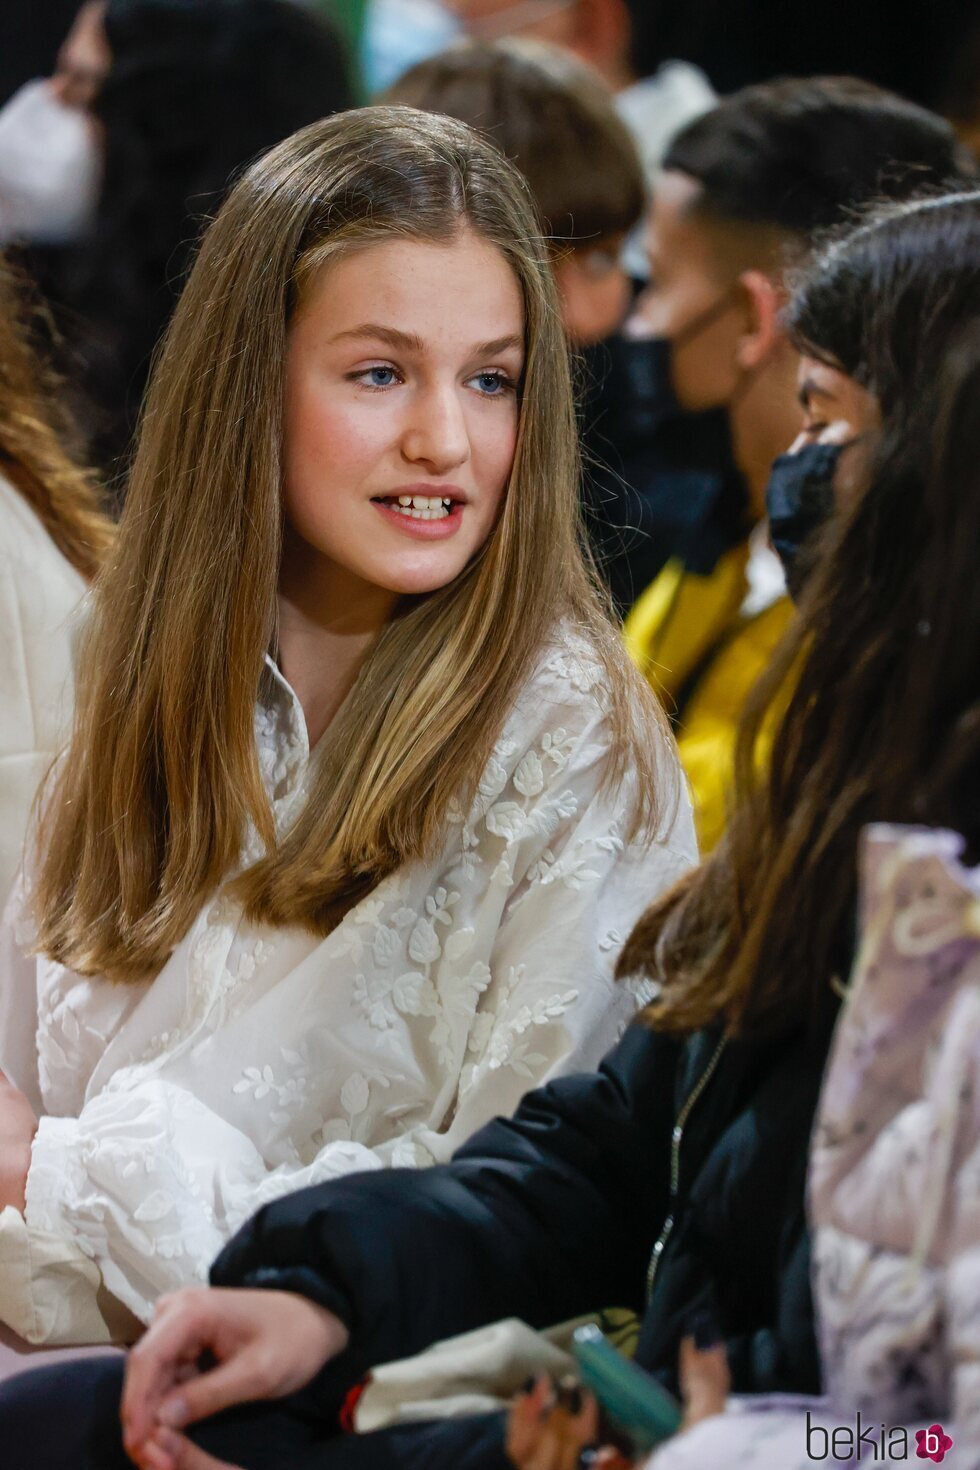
(681, 463)
(800, 500)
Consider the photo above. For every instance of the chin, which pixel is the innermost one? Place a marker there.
(419, 586)
(415, 581)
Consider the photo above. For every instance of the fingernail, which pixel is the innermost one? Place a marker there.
(588, 1456)
(155, 1457)
(575, 1400)
(528, 1385)
(174, 1412)
(703, 1327)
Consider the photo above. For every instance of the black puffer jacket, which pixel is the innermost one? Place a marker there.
(680, 1160)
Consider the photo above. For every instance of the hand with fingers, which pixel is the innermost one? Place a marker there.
(168, 1450)
(703, 1374)
(18, 1126)
(254, 1345)
(557, 1428)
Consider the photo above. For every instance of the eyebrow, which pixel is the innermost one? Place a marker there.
(412, 342)
(810, 388)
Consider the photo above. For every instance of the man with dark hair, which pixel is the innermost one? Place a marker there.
(701, 394)
(742, 192)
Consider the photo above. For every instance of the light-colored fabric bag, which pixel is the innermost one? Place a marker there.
(478, 1371)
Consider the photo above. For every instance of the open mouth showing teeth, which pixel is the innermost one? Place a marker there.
(419, 507)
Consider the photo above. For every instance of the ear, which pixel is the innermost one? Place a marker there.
(763, 300)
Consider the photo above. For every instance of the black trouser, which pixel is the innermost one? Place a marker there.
(66, 1417)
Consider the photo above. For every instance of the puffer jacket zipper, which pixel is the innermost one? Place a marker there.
(675, 1162)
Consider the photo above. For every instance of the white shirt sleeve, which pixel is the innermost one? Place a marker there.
(50, 1289)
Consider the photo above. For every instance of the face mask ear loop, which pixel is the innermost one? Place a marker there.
(705, 319)
(696, 326)
(701, 323)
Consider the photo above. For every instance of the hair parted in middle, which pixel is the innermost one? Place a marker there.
(147, 813)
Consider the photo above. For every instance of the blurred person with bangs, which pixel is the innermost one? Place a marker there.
(618, 38)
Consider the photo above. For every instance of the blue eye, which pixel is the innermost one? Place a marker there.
(379, 377)
(493, 384)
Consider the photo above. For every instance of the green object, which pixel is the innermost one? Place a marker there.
(634, 1401)
(348, 17)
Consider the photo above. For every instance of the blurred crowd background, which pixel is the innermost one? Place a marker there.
(918, 47)
(162, 101)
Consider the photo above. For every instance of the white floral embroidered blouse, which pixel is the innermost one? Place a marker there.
(259, 1061)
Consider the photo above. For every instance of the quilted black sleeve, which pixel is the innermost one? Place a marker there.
(543, 1216)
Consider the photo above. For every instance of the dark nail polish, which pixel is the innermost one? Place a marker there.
(528, 1384)
(588, 1456)
(703, 1327)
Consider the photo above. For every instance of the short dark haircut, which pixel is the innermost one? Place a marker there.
(551, 115)
(801, 155)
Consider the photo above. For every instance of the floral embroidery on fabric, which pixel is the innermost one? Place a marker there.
(259, 1061)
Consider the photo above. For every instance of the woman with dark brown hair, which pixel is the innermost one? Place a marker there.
(53, 536)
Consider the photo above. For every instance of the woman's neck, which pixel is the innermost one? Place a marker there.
(328, 619)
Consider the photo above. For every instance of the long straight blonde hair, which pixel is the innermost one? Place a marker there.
(161, 779)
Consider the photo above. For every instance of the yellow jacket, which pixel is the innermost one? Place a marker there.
(689, 637)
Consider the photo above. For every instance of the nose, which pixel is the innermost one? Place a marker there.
(436, 435)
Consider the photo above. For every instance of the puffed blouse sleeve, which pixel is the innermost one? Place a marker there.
(51, 1289)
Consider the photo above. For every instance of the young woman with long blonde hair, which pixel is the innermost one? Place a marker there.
(362, 797)
(53, 537)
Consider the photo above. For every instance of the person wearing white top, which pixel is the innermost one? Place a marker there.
(52, 538)
(262, 1060)
(341, 927)
(39, 593)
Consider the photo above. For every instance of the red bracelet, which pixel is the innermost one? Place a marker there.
(348, 1407)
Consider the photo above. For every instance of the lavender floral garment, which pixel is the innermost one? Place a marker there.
(894, 1191)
